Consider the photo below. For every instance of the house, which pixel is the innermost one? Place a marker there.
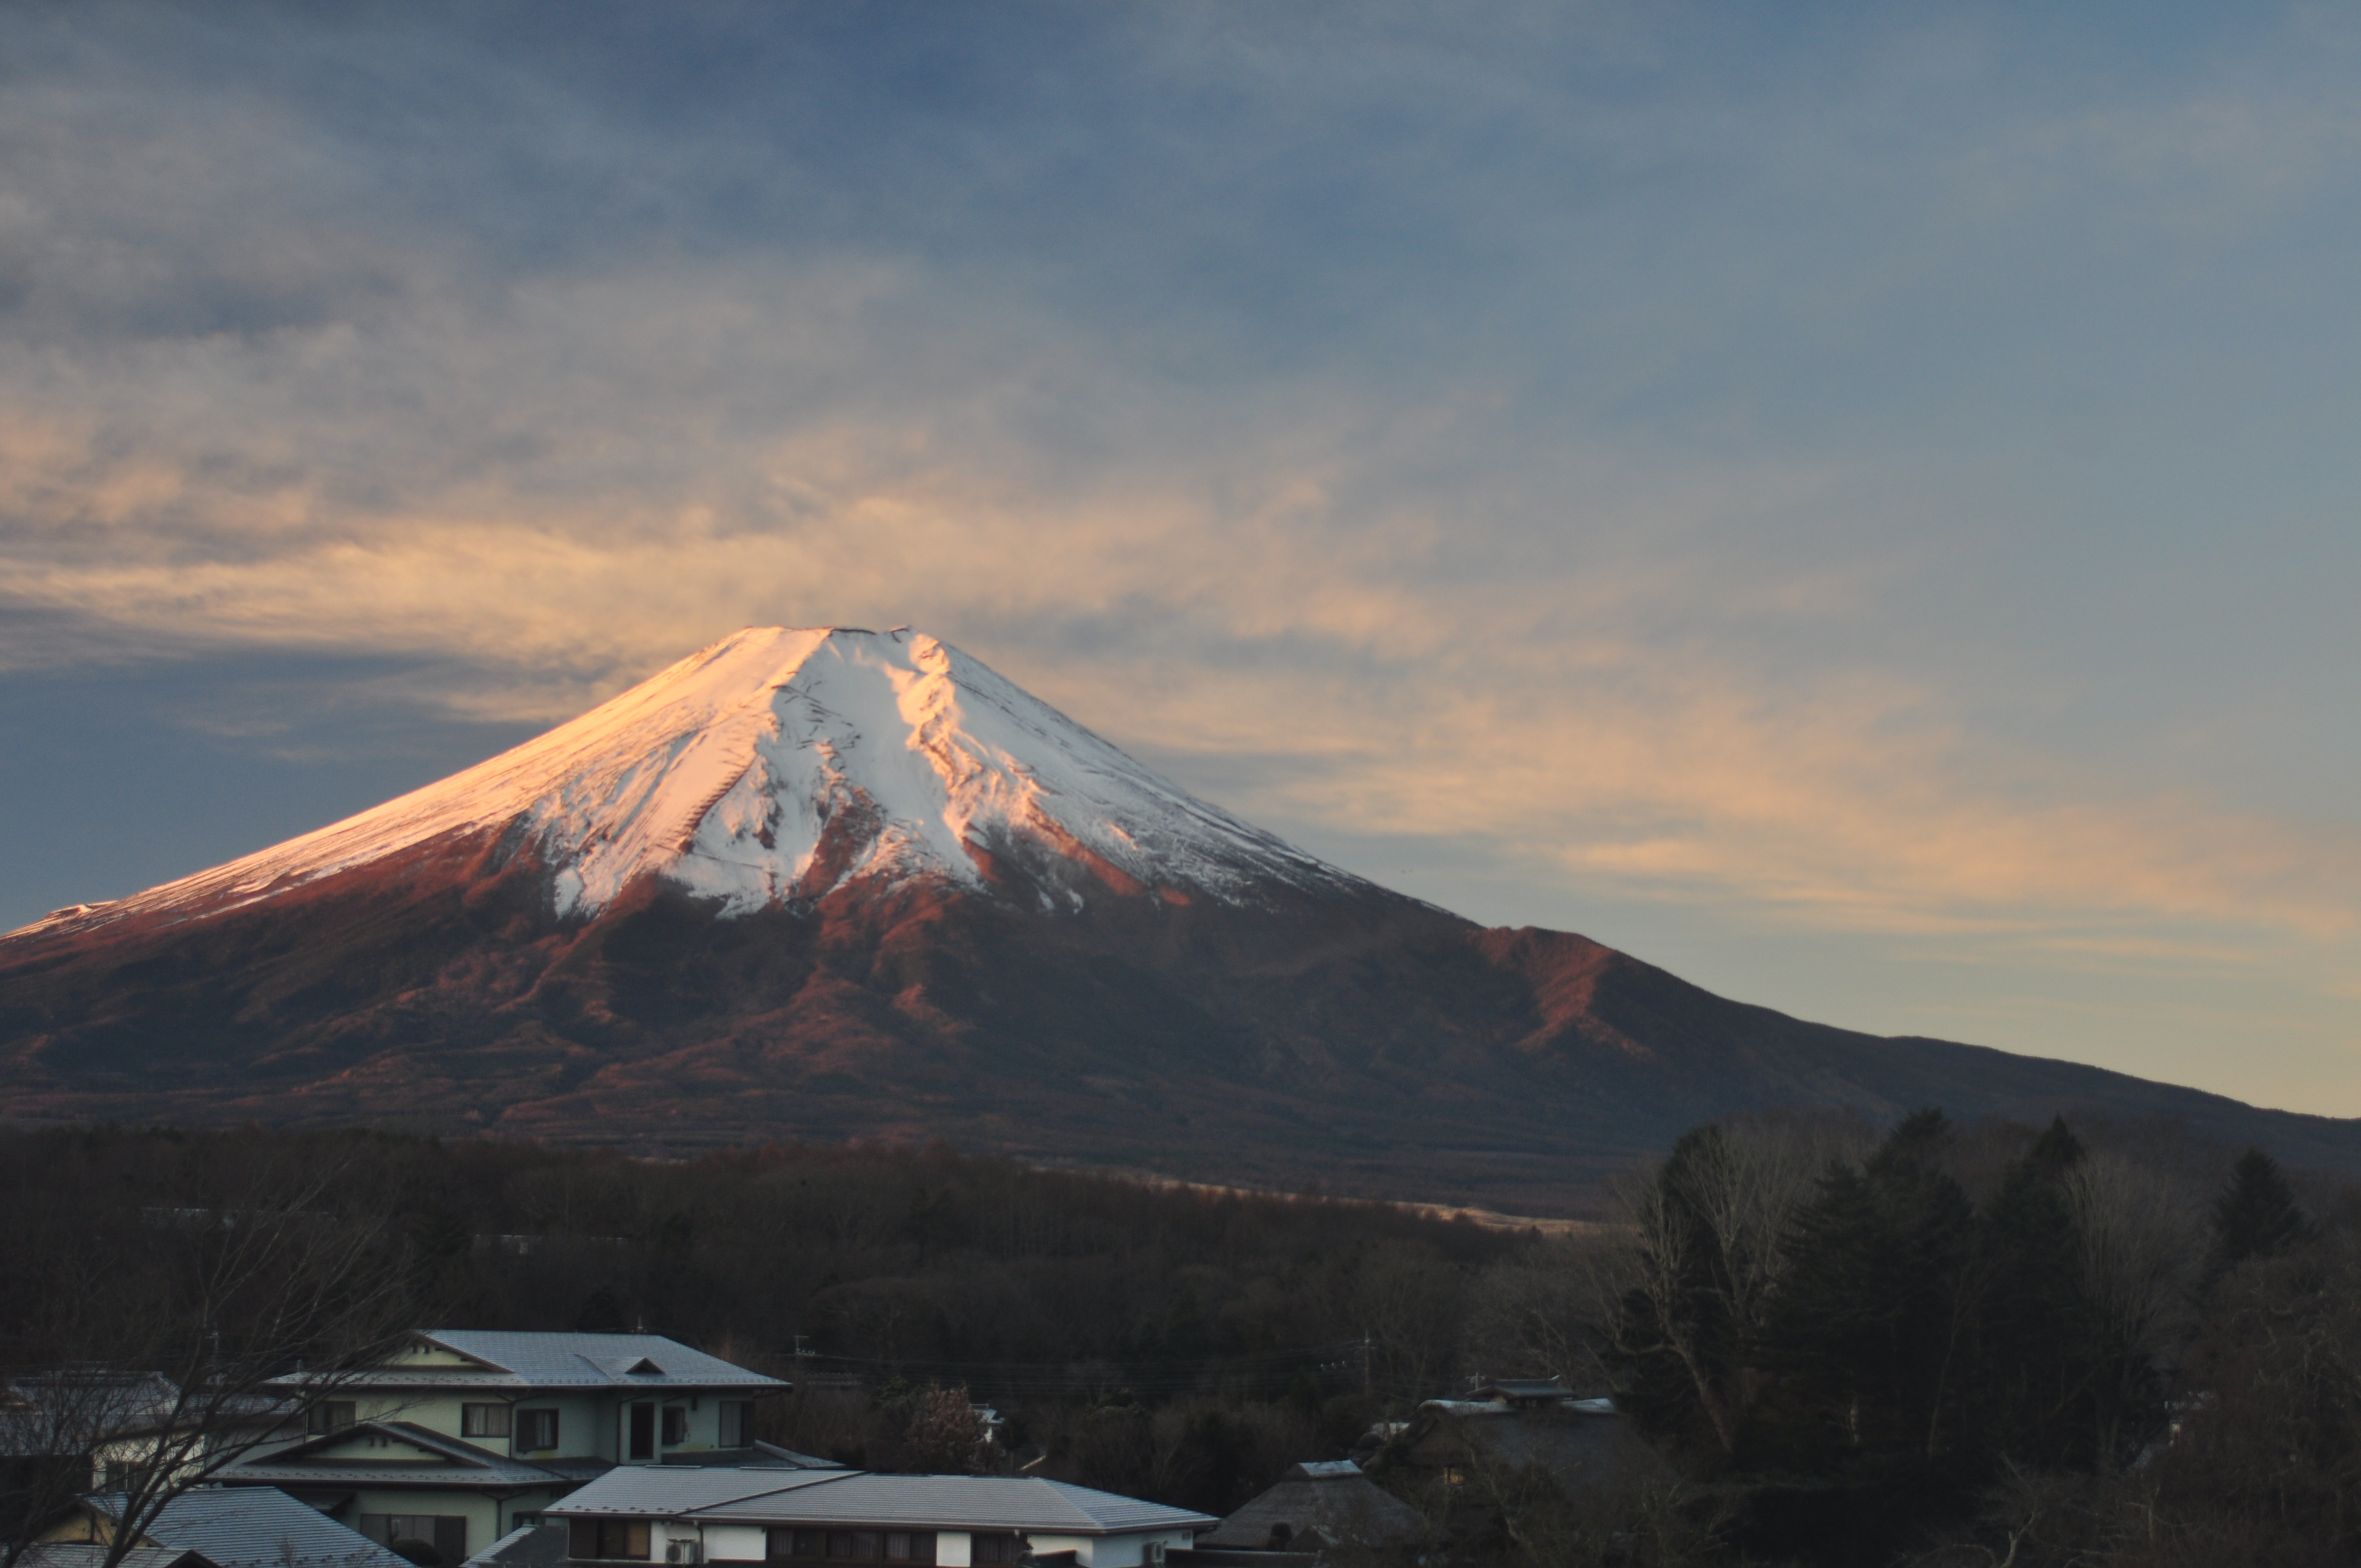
(92, 1554)
(94, 1429)
(231, 1527)
(1523, 1393)
(1315, 1506)
(852, 1518)
(460, 1436)
(1508, 1426)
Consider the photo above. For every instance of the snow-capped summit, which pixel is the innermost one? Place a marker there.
(781, 763)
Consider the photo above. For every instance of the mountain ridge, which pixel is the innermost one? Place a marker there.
(1085, 964)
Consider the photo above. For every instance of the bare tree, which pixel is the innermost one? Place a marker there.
(946, 1436)
(1713, 1221)
(2140, 1249)
(1533, 1314)
(242, 1320)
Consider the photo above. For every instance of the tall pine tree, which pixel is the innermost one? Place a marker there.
(2255, 1216)
(2037, 1350)
(1872, 1324)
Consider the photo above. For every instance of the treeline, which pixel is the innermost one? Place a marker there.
(1934, 1345)
(1993, 1347)
(894, 1257)
(1169, 1342)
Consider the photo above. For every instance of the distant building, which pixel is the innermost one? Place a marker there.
(853, 1519)
(1317, 1505)
(461, 1436)
(1509, 1425)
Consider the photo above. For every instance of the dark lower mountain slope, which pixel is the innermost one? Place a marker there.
(1366, 1042)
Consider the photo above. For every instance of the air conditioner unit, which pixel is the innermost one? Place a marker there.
(1151, 1553)
(684, 1551)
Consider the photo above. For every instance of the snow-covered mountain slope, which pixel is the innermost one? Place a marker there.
(781, 763)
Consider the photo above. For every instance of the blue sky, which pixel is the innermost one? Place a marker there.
(1851, 503)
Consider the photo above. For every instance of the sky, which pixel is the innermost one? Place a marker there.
(1854, 504)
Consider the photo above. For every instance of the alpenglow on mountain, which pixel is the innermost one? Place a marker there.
(829, 883)
(780, 765)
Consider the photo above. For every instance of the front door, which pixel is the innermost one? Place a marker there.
(643, 1432)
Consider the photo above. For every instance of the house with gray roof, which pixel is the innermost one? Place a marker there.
(92, 1554)
(231, 1527)
(1317, 1505)
(460, 1436)
(855, 1519)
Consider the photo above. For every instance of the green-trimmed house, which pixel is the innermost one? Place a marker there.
(463, 1435)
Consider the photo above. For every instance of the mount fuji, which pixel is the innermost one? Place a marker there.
(833, 882)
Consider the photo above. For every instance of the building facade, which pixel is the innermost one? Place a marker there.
(847, 1518)
(462, 1435)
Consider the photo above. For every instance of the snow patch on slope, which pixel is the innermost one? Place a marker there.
(779, 763)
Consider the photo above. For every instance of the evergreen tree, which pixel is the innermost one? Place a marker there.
(2256, 1215)
(1872, 1325)
(2037, 1344)
(2057, 1150)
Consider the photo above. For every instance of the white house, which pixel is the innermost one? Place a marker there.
(852, 1518)
(461, 1435)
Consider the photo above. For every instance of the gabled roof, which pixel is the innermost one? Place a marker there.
(1576, 1445)
(92, 1554)
(425, 1458)
(255, 1527)
(76, 1410)
(788, 1456)
(515, 1362)
(647, 1491)
(1333, 1498)
(856, 1498)
(530, 1546)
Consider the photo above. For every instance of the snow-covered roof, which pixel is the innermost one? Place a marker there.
(1325, 1470)
(255, 1527)
(857, 1498)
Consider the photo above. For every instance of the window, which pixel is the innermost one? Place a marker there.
(447, 1533)
(995, 1548)
(615, 1539)
(641, 1422)
(535, 1429)
(334, 1415)
(858, 1546)
(483, 1421)
(734, 1423)
(676, 1425)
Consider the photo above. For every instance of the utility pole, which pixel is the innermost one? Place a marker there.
(1367, 1344)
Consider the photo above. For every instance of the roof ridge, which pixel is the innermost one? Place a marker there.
(805, 1480)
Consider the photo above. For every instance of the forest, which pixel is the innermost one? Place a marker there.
(1931, 1345)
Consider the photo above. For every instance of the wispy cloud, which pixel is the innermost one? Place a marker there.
(1624, 442)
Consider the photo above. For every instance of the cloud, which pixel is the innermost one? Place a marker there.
(1498, 465)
